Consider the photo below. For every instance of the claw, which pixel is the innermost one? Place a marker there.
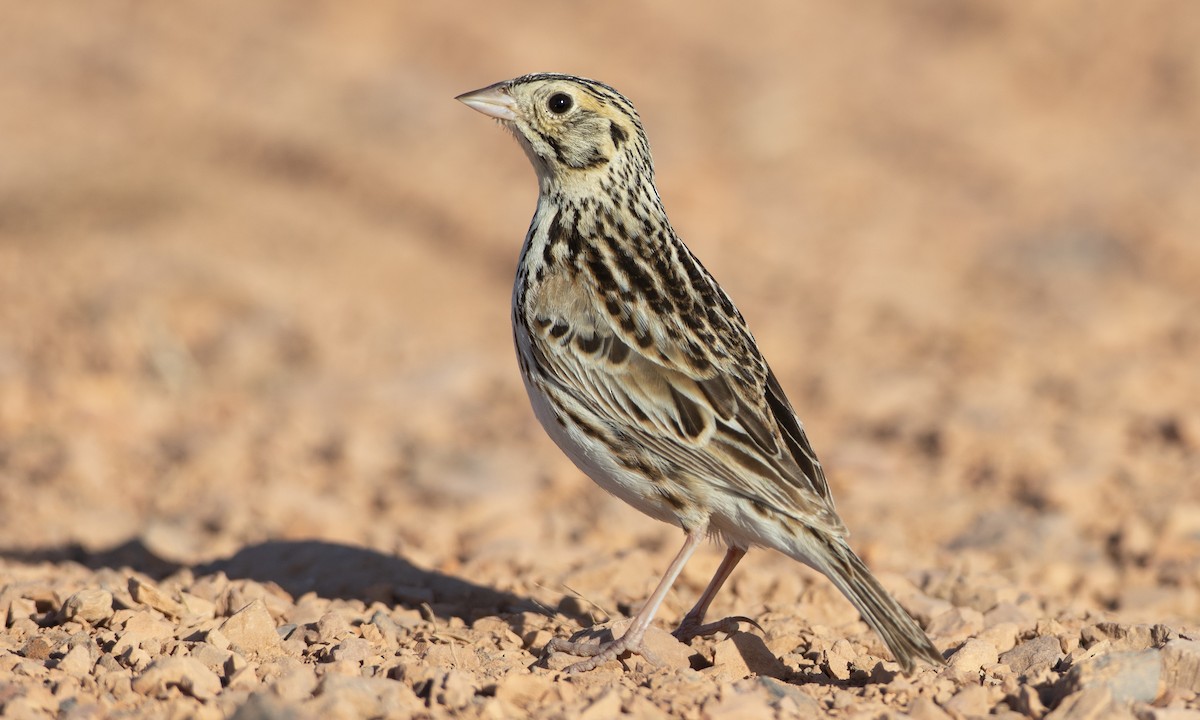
(687, 631)
(597, 653)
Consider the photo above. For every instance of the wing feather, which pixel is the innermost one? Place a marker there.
(713, 412)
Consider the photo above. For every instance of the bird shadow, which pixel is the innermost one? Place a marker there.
(330, 570)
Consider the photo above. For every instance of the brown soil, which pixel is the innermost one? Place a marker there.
(263, 445)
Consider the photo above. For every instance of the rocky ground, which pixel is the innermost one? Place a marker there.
(264, 451)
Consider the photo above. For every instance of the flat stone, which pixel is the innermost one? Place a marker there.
(744, 654)
(1128, 676)
(973, 655)
(332, 627)
(525, 688)
(1126, 637)
(149, 595)
(605, 707)
(956, 623)
(1002, 635)
(352, 649)
(1092, 704)
(924, 708)
(90, 605)
(213, 658)
(341, 697)
(251, 630)
(1181, 664)
(972, 701)
(1032, 654)
(77, 661)
(187, 674)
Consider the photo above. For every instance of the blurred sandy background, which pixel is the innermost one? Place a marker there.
(255, 266)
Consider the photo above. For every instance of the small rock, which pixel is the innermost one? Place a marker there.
(149, 595)
(664, 650)
(1029, 702)
(1007, 612)
(39, 648)
(743, 654)
(1042, 651)
(77, 661)
(195, 606)
(457, 690)
(213, 658)
(783, 693)
(838, 659)
(605, 707)
(20, 608)
(217, 639)
(340, 696)
(924, 708)
(973, 655)
(134, 658)
(295, 683)
(1181, 664)
(1091, 704)
(185, 673)
(1002, 635)
(958, 622)
(924, 607)
(1126, 637)
(260, 706)
(525, 689)
(971, 701)
(151, 625)
(352, 649)
(332, 627)
(1129, 677)
(251, 630)
(90, 605)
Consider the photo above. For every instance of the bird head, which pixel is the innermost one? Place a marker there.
(571, 128)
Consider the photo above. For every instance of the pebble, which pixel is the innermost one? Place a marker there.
(973, 655)
(251, 630)
(524, 689)
(187, 674)
(1094, 703)
(743, 654)
(924, 708)
(213, 658)
(340, 697)
(972, 701)
(955, 624)
(1128, 676)
(605, 707)
(90, 605)
(149, 595)
(1002, 635)
(1039, 652)
(77, 661)
(352, 649)
(333, 627)
(1181, 664)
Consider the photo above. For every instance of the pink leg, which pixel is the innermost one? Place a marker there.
(692, 622)
(631, 641)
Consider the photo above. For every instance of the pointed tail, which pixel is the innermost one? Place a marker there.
(879, 609)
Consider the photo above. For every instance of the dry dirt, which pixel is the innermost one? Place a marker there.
(264, 451)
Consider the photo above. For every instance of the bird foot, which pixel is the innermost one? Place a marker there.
(597, 653)
(690, 629)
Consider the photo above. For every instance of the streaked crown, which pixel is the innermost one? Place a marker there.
(568, 125)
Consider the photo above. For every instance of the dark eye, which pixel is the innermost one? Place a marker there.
(559, 103)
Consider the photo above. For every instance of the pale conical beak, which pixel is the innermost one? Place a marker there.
(493, 101)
